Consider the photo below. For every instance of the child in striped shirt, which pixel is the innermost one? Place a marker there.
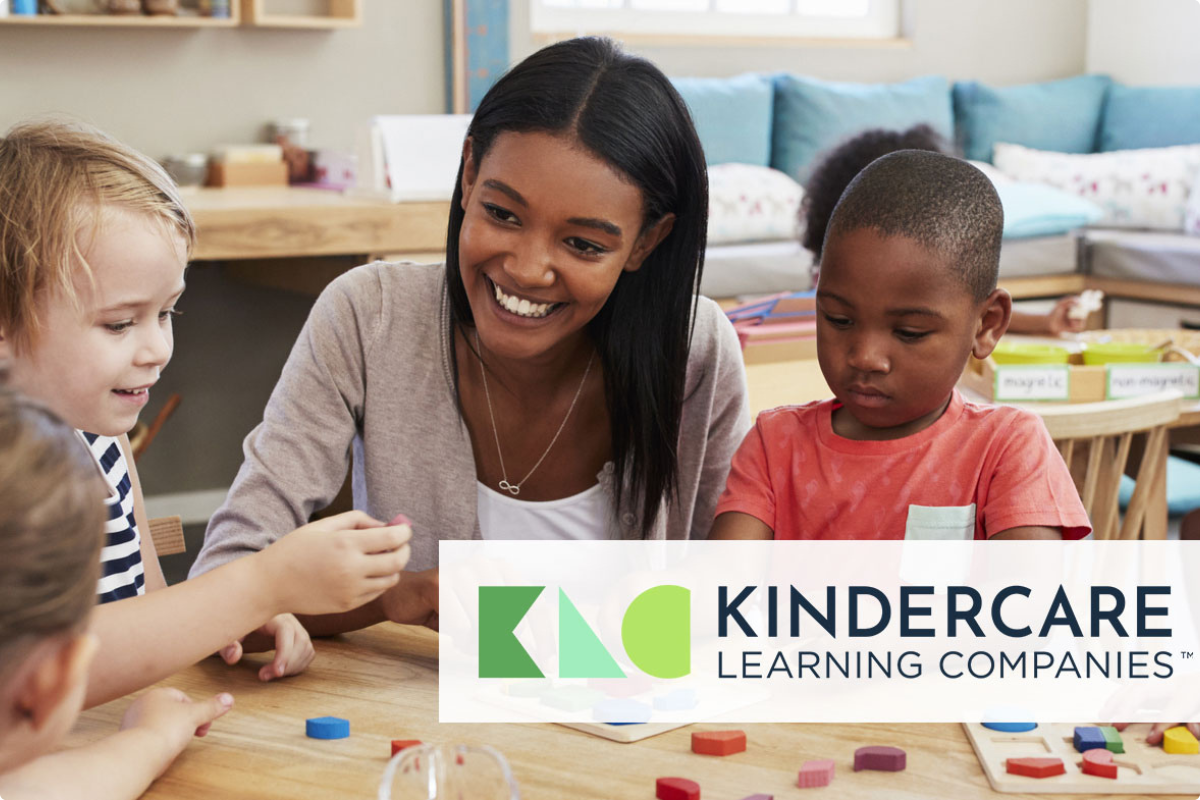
(94, 242)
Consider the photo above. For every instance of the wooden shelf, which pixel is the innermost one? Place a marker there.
(120, 21)
(342, 14)
(244, 13)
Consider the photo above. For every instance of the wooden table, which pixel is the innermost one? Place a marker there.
(384, 680)
(286, 222)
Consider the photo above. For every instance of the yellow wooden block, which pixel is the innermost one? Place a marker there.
(1179, 741)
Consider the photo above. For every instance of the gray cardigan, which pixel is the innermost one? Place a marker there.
(369, 381)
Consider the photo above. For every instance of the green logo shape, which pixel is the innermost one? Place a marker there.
(580, 652)
(501, 609)
(657, 631)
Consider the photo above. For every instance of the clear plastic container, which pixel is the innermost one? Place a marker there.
(448, 772)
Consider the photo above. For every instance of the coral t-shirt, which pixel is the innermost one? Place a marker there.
(976, 471)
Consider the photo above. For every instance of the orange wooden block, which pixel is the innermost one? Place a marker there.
(1099, 762)
(718, 743)
(1036, 767)
(403, 744)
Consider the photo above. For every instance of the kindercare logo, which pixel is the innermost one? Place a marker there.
(655, 632)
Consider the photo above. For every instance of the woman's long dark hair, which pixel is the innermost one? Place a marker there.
(626, 112)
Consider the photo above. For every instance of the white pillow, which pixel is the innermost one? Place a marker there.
(748, 203)
(1135, 188)
(1191, 222)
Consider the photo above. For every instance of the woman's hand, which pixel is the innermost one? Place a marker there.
(1155, 736)
(415, 600)
(335, 564)
(286, 636)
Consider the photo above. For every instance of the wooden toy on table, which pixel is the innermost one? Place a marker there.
(676, 789)
(718, 743)
(1142, 770)
(880, 757)
(815, 773)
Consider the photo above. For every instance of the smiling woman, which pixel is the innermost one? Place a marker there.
(556, 378)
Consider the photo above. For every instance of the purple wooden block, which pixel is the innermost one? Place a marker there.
(880, 757)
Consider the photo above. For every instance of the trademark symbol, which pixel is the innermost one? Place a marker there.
(1185, 654)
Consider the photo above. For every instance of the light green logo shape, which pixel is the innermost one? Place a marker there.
(580, 652)
(657, 631)
(501, 609)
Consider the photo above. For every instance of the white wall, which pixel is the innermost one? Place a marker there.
(1145, 42)
(180, 90)
(997, 41)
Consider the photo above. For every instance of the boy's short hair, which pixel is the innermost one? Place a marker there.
(55, 180)
(51, 526)
(942, 202)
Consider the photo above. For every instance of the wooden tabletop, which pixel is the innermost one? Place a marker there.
(285, 222)
(384, 680)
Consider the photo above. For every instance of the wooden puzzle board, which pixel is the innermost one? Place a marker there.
(1142, 769)
(624, 733)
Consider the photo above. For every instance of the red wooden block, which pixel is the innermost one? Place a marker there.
(1036, 767)
(718, 743)
(676, 789)
(815, 773)
(880, 757)
(403, 744)
(1099, 762)
(400, 519)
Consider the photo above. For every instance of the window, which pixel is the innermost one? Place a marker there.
(862, 19)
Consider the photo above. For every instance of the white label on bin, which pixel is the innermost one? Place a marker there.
(1134, 380)
(1042, 382)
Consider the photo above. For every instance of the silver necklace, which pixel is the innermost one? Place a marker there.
(515, 488)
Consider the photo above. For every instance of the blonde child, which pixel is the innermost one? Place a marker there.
(93, 244)
(50, 536)
(907, 292)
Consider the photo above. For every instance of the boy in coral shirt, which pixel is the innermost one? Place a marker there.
(907, 292)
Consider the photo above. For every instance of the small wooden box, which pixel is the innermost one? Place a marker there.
(232, 174)
(1086, 384)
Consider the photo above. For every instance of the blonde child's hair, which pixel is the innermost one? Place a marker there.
(56, 178)
(51, 527)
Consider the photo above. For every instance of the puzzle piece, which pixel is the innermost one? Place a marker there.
(617, 710)
(1010, 727)
(677, 700)
(1088, 737)
(815, 773)
(676, 789)
(1036, 767)
(880, 757)
(400, 519)
(1179, 741)
(1099, 762)
(718, 743)
(760, 797)
(327, 728)
(1112, 739)
(403, 744)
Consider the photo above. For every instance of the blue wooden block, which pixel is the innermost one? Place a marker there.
(677, 700)
(327, 728)
(1089, 737)
(621, 711)
(1010, 727)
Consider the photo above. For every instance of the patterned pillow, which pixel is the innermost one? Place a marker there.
(1135, 188)
(748, 203)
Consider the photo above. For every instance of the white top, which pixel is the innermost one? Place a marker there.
(582, 516)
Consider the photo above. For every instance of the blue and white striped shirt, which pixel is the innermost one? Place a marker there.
(121, 571)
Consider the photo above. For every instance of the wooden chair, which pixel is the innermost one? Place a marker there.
(167, 533)
(1095, 439)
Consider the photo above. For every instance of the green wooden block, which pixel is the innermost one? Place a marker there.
(1112, 739)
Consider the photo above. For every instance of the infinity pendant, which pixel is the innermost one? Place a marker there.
(510, 488)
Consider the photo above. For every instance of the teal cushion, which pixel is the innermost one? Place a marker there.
(732, 117)
(1183, 486)
(1063, 116)
(813, 116)
(1136, 117)
(1037, 209)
